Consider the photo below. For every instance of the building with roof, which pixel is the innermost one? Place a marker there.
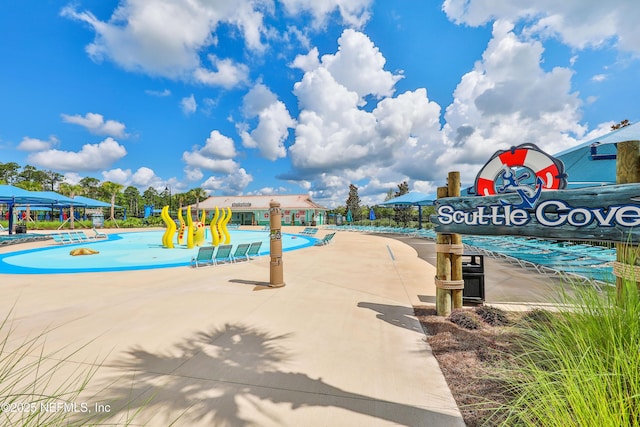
(297, 209)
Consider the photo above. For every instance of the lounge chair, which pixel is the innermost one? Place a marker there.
(203, 257)
(254, 250)
(326, 239)
(309, 231)
(83, 237)
(240, 253)
(223, 255)
(61, 239)
(100, 234)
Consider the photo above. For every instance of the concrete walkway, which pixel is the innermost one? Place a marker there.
(214, 346)
(508, 287)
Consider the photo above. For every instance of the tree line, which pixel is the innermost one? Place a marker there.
(30, 178)
(403, 215)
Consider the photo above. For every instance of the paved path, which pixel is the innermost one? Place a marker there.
(505, 285)
(337, 346)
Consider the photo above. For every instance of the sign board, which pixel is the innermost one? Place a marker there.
(610, 213)
(520, 193)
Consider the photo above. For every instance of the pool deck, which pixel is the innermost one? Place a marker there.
(337, 346)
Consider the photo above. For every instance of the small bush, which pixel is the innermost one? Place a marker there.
(464, 319)
(492, 316)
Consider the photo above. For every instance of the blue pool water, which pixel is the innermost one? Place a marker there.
(127, 251)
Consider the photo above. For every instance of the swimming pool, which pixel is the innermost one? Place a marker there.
(127, 251)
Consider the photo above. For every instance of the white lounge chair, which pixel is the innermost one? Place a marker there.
(100, 234)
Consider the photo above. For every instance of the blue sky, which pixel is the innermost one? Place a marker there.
(307, 96)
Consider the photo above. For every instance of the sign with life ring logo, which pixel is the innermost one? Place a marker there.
(514, 200)
(524, 167)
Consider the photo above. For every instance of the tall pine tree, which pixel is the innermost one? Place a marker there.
(353, 202)
(403, 214)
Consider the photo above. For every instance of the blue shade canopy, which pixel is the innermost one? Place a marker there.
(17, 196)
(627, 133)
(414, 198)
(92, 203)
(593, 163)
(60, 200)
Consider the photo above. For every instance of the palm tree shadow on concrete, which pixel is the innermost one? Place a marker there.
(396, 315)
(220, 376)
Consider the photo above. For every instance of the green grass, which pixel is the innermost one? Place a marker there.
(582, 367)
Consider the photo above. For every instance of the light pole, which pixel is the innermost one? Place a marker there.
(168, 189)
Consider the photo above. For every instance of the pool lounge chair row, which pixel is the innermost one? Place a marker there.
(207, 255)
(76, 237)
(13, 239)
(309, 231)
(407, 231)
(586, 263)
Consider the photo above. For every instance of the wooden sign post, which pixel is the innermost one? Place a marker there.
(449, 249)
(509, 205)
(627, 172)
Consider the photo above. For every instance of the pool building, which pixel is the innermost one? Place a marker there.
(297, 209)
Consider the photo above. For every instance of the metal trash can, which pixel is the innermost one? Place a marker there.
(97, 220)
(473, 276)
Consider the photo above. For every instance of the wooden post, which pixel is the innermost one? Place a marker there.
(453, 185)
(449, 282)
(276, 273)
(443, 267)
(627, 172)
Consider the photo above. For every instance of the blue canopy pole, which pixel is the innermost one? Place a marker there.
(10, 218)
(419, 217)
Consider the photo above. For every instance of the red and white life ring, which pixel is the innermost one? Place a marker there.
(549, 169)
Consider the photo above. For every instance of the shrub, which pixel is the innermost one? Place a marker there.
(493, 316)
(464, 319)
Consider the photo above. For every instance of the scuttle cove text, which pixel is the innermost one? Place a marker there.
(550, 213)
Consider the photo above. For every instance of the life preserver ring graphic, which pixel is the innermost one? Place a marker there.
(499, 174)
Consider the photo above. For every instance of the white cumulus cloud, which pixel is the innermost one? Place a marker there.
(35, 144)
(226, 73)
(218, 145)
(355, 13)
(96, 124)
(359, 66)
(507, 100)
(231, 184)
(579, 24)
(215, 156)
(274, 122)
(188, 104)
(92, 157)
(336, 137)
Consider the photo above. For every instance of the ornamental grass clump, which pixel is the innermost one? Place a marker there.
(38, 388)
(42, 388)
(581, 367)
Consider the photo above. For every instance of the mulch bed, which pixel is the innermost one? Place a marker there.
(472, 347)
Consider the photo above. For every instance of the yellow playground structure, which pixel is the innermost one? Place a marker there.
(194, 231)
